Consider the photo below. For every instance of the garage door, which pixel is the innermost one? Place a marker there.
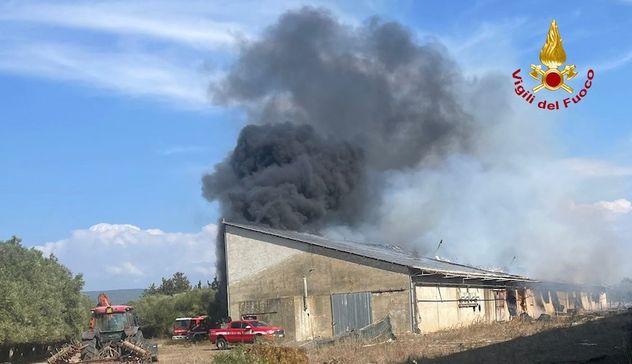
(350, 311)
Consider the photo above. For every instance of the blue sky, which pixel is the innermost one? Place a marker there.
(105, 116)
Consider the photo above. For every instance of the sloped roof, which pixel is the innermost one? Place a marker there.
(387, 253)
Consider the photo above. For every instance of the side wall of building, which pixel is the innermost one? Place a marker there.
(291, 283)
(440, 307)
(560, 301)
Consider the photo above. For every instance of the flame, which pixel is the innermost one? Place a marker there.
(552, 54)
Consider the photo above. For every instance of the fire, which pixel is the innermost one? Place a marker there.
(552, 53)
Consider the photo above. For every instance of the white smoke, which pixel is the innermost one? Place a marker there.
(517, 196)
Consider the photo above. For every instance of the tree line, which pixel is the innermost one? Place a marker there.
(40, 299)
(175, 297)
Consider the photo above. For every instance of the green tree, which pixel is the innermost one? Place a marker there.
(150, 290)
(169, 286)
(180, 282)
(158, 311)
(160, 306)
(40, 300)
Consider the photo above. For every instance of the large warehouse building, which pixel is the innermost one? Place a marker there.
(316, 288)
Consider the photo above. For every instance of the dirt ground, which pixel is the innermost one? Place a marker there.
(181, 353)
(581, 339)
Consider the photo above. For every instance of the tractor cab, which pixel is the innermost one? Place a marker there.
(115, 318)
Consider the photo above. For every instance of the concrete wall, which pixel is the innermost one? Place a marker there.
(266, 277)
(440, 308)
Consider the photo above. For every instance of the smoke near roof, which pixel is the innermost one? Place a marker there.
(366, 133)
(287, 176)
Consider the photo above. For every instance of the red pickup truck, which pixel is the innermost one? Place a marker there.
(244, 331)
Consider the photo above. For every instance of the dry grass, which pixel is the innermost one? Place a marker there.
(586, 337)
(280, 355)
(263, 354)
(182, 352)
(178, 352)
(410, 348)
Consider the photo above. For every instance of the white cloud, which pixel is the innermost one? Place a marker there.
(126, 268)
(158, 49)
(474, 48)
(181, 81)
(615, 63)
(198, 23)
(126, 256)
(619, 206)
(161, 20)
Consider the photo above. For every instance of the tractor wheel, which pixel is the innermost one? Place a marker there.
(89, 350)
(221, 343)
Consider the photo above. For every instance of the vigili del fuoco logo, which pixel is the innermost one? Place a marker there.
(551, 77)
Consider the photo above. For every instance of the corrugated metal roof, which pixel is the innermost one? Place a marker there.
(388, 253)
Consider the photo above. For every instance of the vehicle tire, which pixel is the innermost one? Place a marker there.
(221, 343)
(259, 339)
(89, 350)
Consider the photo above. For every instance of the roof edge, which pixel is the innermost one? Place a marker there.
(483, 274)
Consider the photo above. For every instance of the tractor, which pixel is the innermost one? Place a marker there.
(114, 336)
(114, 333)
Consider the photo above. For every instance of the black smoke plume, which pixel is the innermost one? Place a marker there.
(329, 103)
(372, 86)
(287, 176)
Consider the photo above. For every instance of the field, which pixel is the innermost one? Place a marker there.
(181, 353)
(580, 339)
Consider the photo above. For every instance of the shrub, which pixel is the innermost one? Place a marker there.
(40, 299)
(262, 354)
(158, 311)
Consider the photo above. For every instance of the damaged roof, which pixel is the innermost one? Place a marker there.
(387, 253)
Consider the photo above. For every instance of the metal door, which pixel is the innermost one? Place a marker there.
(350, 311)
